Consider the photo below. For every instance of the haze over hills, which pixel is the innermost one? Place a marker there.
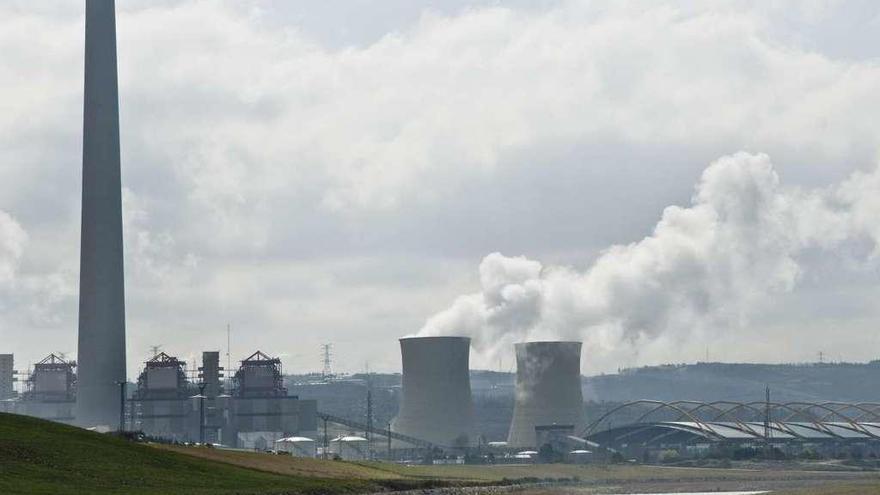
(849, 382)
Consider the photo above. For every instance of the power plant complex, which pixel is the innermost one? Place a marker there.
(430, 411)
(251, 408)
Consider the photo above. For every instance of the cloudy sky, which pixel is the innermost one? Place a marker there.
(661, 181)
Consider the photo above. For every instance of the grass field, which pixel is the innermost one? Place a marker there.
(287, 465)
(466, 474)
(591, 479)
(39, 456)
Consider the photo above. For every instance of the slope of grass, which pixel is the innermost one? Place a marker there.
(496, 473)
(288, 465)
(39, 456)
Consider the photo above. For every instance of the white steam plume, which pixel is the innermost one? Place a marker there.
(704, 268)
(12, 242)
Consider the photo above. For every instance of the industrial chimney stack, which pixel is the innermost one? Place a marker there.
(101, 349)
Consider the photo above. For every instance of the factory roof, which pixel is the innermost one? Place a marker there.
(670, 432)
(723, 421)
(294, 440)
(350, 438)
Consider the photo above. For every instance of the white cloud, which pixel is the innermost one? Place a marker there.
(252, 116)
(13, 239)
(250, 141)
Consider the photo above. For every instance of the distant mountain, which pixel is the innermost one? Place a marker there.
(850, 382)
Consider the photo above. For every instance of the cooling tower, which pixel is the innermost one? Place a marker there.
(436, 403)
(548, 389)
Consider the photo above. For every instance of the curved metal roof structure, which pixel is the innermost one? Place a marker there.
(660, 422)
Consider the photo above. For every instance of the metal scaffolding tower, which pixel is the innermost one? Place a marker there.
(327, 349)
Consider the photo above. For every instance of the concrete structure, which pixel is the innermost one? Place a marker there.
(259, 376)
(436, 403)
(101, 290)
(7, 376)
(50, 390)
(548, 390)
(210, 373)
(260, 411)
(286, 416)
(161, 404)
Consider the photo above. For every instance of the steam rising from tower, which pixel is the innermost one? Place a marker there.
(702, 274)
(101, 286)
(436, 404)
(548, 389)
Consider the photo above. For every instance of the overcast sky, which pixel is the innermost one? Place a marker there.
(337, 171)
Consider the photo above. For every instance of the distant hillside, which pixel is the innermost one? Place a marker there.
(41, 457)
(739, 381)
(700, 381)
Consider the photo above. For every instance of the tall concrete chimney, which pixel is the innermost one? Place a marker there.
(101, 346)
(436, 403)
(548, 389)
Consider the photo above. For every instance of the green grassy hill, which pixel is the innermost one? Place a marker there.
(39, 456)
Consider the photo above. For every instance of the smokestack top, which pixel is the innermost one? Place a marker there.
(553, 347)
(549, 342)
(439, 338)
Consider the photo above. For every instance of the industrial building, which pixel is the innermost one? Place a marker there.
(50, 390)
(436, 403)
(259, 410)
(210, 373)
(161, 405)
(548, 390)
(739, 429)
(257, 413)
(168, 404)
(7, 376)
